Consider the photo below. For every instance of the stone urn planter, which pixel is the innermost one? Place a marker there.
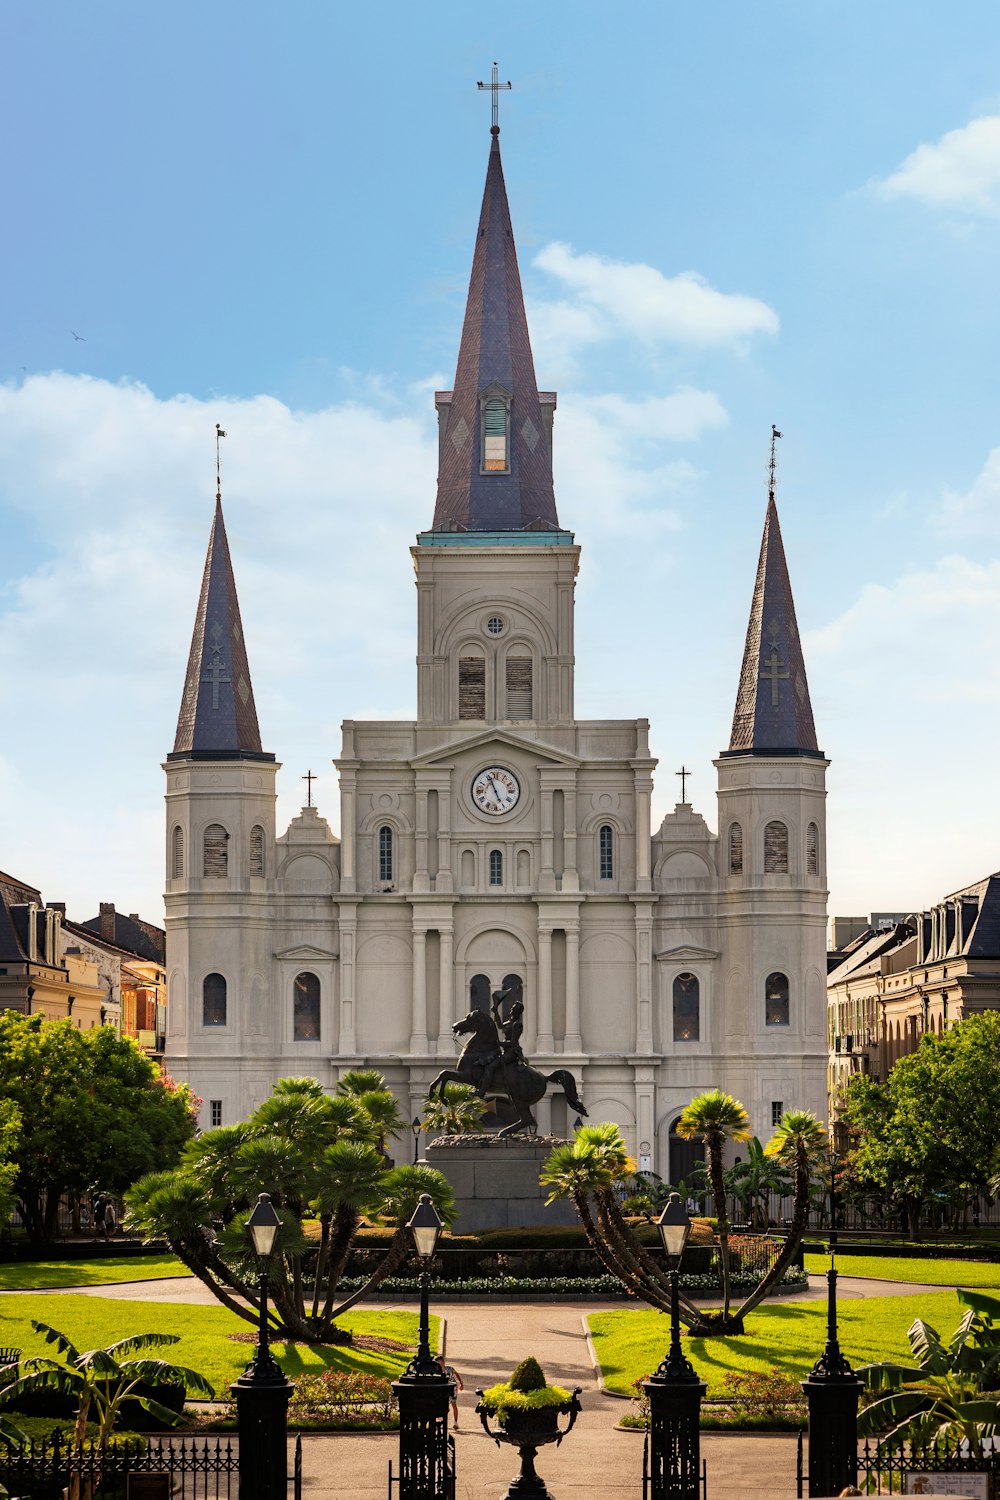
(526, 1412)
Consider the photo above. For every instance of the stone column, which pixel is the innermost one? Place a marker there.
(570, 878)
(421, 878)
(446, 994)
(443, 880)
(348, 936)
(643, 833)
(418, 1037)
(547, 874)
(544, 1039)
(573, 1041)
(348, 873)
(643, 977)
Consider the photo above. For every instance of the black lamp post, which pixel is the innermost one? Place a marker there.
(415, 1127)
(577, 1125)
(262, 1392)
(672, 1460)
(833, 1392)
(426, 1452)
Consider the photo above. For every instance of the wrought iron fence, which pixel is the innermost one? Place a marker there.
(909, 1468)
(191, 1469)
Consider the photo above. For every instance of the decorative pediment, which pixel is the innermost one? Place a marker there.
(305, 951)
(499, 737)
(686, 953)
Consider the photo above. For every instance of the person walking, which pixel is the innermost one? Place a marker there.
(456, 1386)
(99, 1212)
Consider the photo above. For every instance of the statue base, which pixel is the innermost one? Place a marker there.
(495, 1181)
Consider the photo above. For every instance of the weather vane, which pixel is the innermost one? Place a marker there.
(775, 435)
(219, 434)
(494, 87)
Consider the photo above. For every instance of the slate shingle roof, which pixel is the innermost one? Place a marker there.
(129, 936)
(495, 351)
(773, 712)
(218, 717)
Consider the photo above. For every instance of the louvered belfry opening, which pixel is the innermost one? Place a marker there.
(472, 687)
(519, 685)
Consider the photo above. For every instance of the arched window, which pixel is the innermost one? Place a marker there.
(812, 850)
(775, 849)
(687, 1008)
(735, 849)
(514, 986)
(177, 853)
(606, 852)
(256, 850)
(479, 992)
(213, 1000)
(495, 455)
(496, 867)
(216, 850)
(385, 852)
(305, 1008)
(776, 1000)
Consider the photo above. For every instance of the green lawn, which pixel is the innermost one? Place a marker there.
(911, 1268)
(789, 1337)
(94, 1322)
(25, 1276)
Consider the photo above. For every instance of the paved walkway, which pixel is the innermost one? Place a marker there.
(485, 1340)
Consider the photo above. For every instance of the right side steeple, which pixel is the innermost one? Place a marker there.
(495, 454)
(773, 712)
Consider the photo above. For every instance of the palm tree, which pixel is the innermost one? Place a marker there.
(457, 1110)
(754, 1180)
(799, 1142)
(102, 1379)
(360, 1081)
(399, 1193)
(717, 1118)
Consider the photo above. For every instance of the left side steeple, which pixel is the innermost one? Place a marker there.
(218, 717)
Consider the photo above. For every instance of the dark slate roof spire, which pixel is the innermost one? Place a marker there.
(494, 359)
(218, 718)
(773, 713)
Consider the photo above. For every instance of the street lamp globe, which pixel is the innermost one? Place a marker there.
(263, 1225)
(674, 1227)
(425, 1227)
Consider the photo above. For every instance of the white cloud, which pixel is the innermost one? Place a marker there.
(960, 171)
(606, 299)
(978, 508)
(111, 490)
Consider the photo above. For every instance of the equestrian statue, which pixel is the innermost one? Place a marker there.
(493, 1061)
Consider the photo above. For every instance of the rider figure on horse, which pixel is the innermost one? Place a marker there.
(510, 1053)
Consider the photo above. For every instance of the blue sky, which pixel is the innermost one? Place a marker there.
(726, 216)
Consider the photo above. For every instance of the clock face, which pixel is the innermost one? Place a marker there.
(496, 790)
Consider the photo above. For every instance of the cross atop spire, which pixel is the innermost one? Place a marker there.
(773, 712)
(494, 87)
(495, 451)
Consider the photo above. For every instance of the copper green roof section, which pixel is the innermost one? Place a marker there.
(773, 712)
(218, 717)
(494, 359)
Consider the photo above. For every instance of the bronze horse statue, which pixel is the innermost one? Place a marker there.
(522, 1084)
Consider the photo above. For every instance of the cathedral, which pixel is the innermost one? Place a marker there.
(498, 841)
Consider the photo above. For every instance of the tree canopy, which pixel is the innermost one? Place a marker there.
(933, 1127)
(320, 1157)
(88, 1109)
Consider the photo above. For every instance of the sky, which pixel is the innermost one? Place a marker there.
(726, 216)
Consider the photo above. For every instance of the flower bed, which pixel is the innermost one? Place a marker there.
(579, 1286)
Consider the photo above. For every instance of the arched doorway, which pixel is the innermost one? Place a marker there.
(684, 1156)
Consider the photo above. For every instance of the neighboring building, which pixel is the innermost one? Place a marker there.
(130, 956)
(922, 974)
(36, 977)
(497, 839)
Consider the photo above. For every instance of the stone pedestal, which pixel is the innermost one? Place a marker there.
(495, 1181)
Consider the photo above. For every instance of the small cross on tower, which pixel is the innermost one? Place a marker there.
(309, 778)
(683, 773)
(494, 87)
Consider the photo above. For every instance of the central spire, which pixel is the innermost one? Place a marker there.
(495, 455)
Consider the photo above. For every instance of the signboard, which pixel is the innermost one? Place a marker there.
(975, 1486)
(147, 1487)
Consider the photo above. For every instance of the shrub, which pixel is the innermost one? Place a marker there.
(763, 1393)
(529, 1376)
(344, 1398)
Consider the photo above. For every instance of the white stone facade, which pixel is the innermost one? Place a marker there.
(395, 937)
